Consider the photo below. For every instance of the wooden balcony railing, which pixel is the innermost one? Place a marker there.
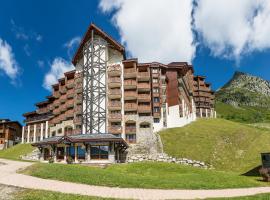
(131, 106)
(143, 86)
(144, 108)
(70, 84)
(144, 97)
(115, 104)
(130, 129)
(114, 68)
(56, 94)
(143, 75)
(130, 70)
(70, 93)
(116, 116)
(63, 98)
(130, 83)
(115, 129)
(70, 104)
(130, 94)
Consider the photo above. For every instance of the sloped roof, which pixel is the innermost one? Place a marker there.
(87, 37)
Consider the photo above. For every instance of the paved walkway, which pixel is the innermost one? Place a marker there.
(10, 177)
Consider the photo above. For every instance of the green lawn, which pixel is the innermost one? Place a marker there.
(255, 197)
(16, 151)
(144, 175)
(226, 145)
(47, 195)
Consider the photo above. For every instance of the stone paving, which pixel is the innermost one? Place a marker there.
(10, 177)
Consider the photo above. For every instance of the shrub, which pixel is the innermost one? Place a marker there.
(69, 160)
(51, 160)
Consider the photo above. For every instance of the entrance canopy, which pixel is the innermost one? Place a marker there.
(82, 138)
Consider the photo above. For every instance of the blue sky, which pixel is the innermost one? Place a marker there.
(39, 35)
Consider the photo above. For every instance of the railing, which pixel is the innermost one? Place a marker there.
(63, 90)
(130, 70)
(70, 103)
(70, 84)
(145, 97)
(143, 86)
(130, 129)
(78, 120)
(69, 113)
(43, 110)
(56, 94)
(39, 117)
(115, 116)
(143, 75)
(144, 108)
(131, 106)
(115, 129)
(115, 104)
(115, 92)
(70, 93)
(130, 83)
(131, 94)
(114, 80)
(114, 68)
(63, 98)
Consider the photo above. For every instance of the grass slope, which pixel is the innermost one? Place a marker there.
(144, 175)
(16, 151)
(244, 114)
(226, 145)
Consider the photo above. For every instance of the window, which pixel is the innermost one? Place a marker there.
(131, 138)
(144, 125)
(53, 133)
(156, 120)
(59, 131)
(155, 80)
(156, 90)
(99, 152)
(156, 99)
(155, 70)
(156, 109)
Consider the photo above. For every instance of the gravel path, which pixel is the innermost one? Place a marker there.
(10, 177)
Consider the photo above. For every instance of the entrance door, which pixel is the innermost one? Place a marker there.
(60, 153)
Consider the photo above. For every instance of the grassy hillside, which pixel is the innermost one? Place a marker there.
(16, 151)
(224, 144)
(243, 114)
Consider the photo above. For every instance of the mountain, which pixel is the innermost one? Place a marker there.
(245, 98)
(245, 90)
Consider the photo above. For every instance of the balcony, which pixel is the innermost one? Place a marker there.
(156, 115)
(63, 98)
(131, 106)
(69, 114)
(79, 99)
(77, 120)
(114, 93)
(78, 110)
(117, 117)
(130, 84)
(130, 73)
(56, 111)
(114, 70)
(56, 102)
(143, 87)
(144, 97)
(130, 129)
(130, 95)
(114, 82)
(70, 104)
(43, 110)
(115, 105)
(56, 94)
(70, 84)
(78, 88)
(144, 109)
(62, 108)
(143, 76)
(155, 85)
(115, 129)
(63, 90)
(70, 93)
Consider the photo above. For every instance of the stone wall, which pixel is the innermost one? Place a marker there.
(162, 157)
(34, 155)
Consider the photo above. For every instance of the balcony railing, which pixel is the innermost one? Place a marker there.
(131, 106)
(114, 70)
(63, 90)
(115, 117)
(130, 94)
(63, 98)
(70, 104)
(144, 97)
(143, 86)
(78, 120)
(70, 93)
(130, 129)
(115, 129)
(115, 105)
(70, 84)
(144, 108)
(143, 75)
(130, 84)
(69, 113)
(56, 94)
(114, 93)
(130, 72)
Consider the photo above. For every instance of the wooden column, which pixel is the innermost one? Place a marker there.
(28, 133)
(76, 152)
(22, 134)
(41, 131)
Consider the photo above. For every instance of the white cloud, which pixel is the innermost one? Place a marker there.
(154, 30)
(41, 63)
(26, 49)
(58, 68)
(72, 44)
(233, 28)
(7, 61)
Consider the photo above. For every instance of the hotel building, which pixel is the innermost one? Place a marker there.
(109, 103)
